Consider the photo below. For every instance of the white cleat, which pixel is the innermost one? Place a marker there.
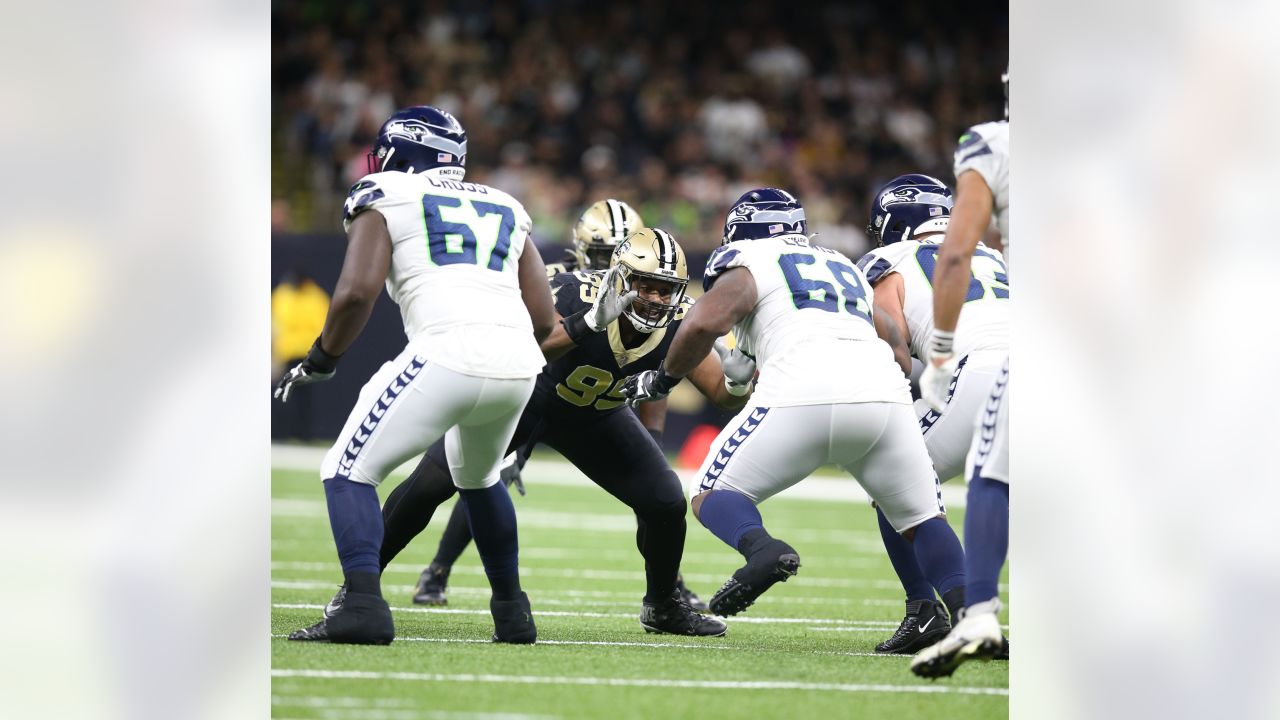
(976, 637)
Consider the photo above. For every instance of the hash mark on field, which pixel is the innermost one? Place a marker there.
(638, 682)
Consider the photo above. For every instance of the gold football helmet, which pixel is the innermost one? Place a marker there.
(600, 229)
(652, 263)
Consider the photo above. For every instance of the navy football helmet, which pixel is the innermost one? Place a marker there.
(764, 213)
(907, 205)
(418, 139)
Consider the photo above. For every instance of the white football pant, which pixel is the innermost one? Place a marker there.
(409, 403)
(764, 451)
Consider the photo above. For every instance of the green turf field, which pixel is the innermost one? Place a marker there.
(803, 650)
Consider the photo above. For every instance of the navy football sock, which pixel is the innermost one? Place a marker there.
(903, 557)
(356, 521)
(986, 537)
(493, 524)
(729, 515)
(456, 538)
(939, 553)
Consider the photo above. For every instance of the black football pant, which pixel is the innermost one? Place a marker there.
(613, 450)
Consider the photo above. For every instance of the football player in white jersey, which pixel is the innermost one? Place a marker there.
(829, 392)
(982, 200)
(473, 292)
(908, 218)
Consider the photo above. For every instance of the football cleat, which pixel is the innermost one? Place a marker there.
(361, 619)
(976, 637)
(773, 563)
(925, 624)
(335, 603)
(676, 617)
(513, 621)
(689, 597)
(430, 589)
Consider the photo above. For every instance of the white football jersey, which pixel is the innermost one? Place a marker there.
(984, 324)
(455, 256)
(985, 150)
(810, 331)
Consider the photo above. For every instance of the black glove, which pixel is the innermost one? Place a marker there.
(317, 366)
(648, 386)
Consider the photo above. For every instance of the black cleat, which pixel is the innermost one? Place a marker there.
(361, 619)
(1003, 652)
(925, 624)
(513, 621)
(689, 597)
(676, 617)
(430, 589)
(775, 562)
(335, 603)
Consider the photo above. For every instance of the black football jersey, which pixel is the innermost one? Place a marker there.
(567, 265)
(588, 378)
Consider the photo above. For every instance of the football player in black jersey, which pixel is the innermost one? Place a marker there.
(599, 230)
(613, 324)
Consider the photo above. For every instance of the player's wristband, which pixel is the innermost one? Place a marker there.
(665, 383)
(942, 342)
(577, 328)
(321, 360)
(737, 390)
(656, 435)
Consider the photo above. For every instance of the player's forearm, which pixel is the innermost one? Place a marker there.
(557, 343)
(969, 220)
(348, 314)
(726, 400)
(950, 283)
(692, 343)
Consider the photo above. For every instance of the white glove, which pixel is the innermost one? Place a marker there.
(608, 306)
(738, 367)
(935, 381)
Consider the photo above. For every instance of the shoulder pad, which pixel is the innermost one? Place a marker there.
(874, 267)
(361, 196)
(722, 259)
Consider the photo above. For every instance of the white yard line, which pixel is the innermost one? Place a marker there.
(934, 689)
(876, 625)
(590, 574)
(538, 471)
(610, 643)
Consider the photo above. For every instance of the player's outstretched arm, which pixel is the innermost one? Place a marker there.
(710, 380)
(536, 292)
(364, 272)
(891, 322)
(969, 220)
(713, 316)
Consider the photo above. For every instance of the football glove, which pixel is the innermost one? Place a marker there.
(939, 366)
(648, 386)
(317, 366)
(609, 305)
(739, 368)
(510, 473)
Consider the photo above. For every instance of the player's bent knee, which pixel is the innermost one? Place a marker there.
(910, 533)
(696, 503)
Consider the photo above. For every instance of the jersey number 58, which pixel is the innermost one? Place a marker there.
(820, 294)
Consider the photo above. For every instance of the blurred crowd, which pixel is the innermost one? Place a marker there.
(676, 108)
